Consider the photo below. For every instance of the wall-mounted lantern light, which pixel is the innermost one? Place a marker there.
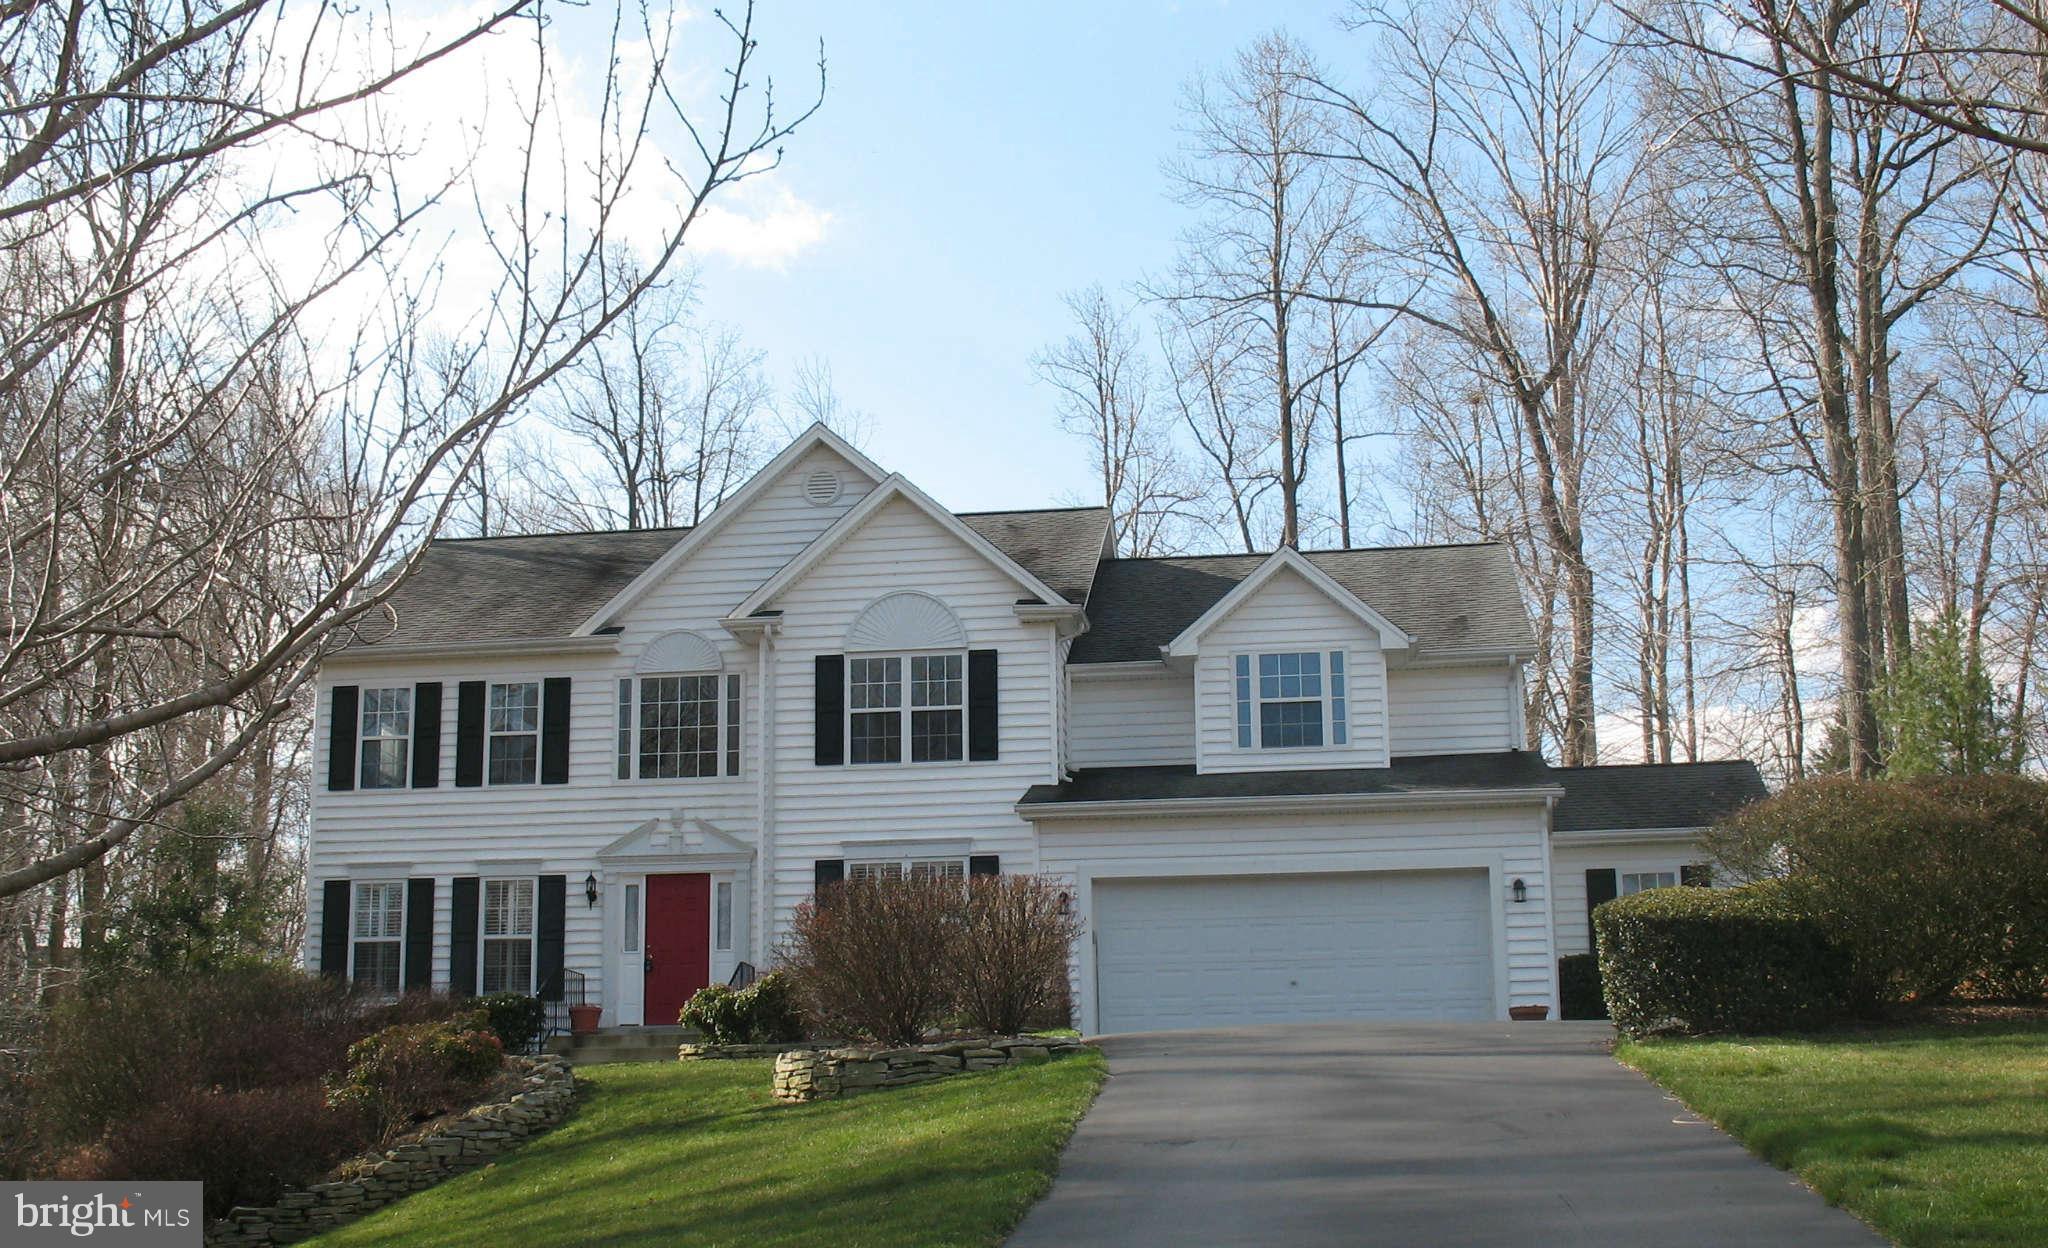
(590, 890)
(1521, 890)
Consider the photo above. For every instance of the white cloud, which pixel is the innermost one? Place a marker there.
(764, 228)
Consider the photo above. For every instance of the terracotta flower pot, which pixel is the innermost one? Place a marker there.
(1528, 1013)
(583, 1019)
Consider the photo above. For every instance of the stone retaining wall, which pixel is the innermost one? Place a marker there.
(474, 1139)
(821, 1074)
(733, 1052)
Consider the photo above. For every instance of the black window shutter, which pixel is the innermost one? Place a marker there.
(342, 725)
(984, 864)
(462, 898)
(334, 928)
(554, 730)
(826, 871)
(426, 735)
(829, 706)
(982, 700)
(1696, 875)
(1601, 885)
(552, 910)
(469, 735)
(419, 933)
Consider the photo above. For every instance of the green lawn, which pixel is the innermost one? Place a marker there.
(1936, 1136)
(697, 1153)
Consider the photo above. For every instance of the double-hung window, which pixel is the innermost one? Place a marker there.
(1644, 881)
(679, 727)
(514, 750)
(376, 933)
(907, 868)
(507, 937)
(1291, 700)
(932, 729)
(387, 737)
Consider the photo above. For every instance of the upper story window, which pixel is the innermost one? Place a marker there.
(507, 937)
(1291, 700)
(387, 737)
(933, 731)
(376, 932)
(514, 728)
(679, 727)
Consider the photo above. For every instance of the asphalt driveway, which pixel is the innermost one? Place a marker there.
(1408, 1134)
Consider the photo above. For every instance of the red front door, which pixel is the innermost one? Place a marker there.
(678, 943)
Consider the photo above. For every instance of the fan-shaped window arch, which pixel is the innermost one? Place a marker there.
(679, 714)
(906, 620)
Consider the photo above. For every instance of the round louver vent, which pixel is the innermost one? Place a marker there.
(821, 488)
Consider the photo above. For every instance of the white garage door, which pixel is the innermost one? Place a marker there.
(1219, 952)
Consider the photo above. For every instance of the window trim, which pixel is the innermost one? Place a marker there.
(483, 938)
(540, 695)
(1622, 877)
(405, 739)
(904, 708)
(404, 903)
(906, 864)
(730, 694)
(1336, 666)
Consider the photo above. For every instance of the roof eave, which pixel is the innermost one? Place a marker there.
(371, 652)
(1293, 803)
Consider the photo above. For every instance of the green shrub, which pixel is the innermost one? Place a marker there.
(764, 1012)
(1696, 960)
(1928, 884)
(515, 1018)
(413, 1071)
(1578, 987)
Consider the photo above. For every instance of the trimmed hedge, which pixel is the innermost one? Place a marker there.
(764, 1012)
(1578, 987)
(1690, 960)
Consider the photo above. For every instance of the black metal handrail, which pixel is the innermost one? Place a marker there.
(743, 975)
(560, 991)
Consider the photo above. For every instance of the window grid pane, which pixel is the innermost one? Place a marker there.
(508, 907)
(632, 936)
(732, 725)
(1244, 701)
(377, 965)
(876, 737)
(936, 737)
(1340, 721)
(513, 724)
(508, 966)
(1290, 725)
(678, 727)
(723, 930)
(1643, 881)
(625, 730)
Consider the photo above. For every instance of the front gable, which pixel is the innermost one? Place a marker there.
(781, 509)
(1289, 567)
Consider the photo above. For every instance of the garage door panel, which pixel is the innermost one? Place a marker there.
(1196, 952)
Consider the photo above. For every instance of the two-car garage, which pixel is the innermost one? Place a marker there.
(1217, 950)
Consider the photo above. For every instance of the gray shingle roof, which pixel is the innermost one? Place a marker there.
(1446, 597)
(1516, 769)
(514, 588)
(1653, 795)
(546, 585)
(1061, 548)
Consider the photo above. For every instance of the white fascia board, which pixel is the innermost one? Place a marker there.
(1465, 656)
(815, 436)
(357, 656)
(1392, 637)
(1303, 803)
(1115, 671)
(1624, 836)
(893, 487)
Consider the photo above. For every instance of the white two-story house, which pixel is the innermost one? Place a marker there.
(1283, 787)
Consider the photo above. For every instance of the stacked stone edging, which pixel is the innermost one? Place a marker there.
(822, 1074)
(476, 1138)
(735, 1052)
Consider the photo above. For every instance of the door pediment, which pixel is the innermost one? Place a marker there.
(675, 839)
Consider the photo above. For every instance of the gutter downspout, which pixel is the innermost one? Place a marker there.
(764, 836)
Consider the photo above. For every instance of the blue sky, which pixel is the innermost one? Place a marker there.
(975, 163)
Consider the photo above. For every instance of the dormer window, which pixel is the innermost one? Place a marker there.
(1290, 700)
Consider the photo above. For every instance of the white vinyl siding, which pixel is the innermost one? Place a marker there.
(1289, 615)
(1452, 710)
(1670, 853)
(1131, 720)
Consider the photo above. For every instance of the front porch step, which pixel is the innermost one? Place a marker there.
(623, 1044)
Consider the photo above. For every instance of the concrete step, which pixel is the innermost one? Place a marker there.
(633, 1044)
